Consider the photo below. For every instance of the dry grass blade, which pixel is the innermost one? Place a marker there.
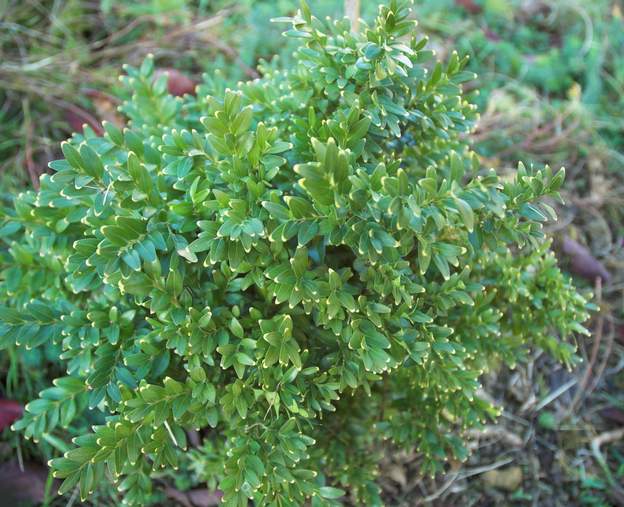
(616, 490)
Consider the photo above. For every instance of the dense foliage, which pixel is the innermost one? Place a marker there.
(300, 268)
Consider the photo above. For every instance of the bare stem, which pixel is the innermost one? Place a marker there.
(352, 11)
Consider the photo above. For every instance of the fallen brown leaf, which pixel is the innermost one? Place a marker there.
(178, 84)
(76, 117)
(9, 411)
(106, 107)
(582, 262)
(613, 414)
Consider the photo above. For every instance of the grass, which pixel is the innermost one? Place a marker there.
(59, 55)
(550, 90)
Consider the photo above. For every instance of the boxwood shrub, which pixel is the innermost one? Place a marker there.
(307, 270)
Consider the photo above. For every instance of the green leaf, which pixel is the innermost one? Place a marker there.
(236, 328)
(532, 212)
(331, 493)
(465, 210)
(276, 210)
(91, 161)
(299, 262)
(307, 231)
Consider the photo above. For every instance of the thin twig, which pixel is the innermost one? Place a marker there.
(605, 358)
(440, 491)
(459, 474)
(486, 468)
(616, 492)
(580, 393)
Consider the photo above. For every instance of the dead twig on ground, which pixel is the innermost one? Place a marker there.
(605, 357)
(616, 492)
(582, 388)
